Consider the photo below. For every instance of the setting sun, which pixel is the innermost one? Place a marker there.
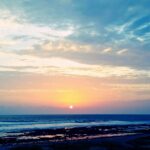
(71, 107)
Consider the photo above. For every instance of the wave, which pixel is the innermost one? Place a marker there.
(10, 124)
(13, 127)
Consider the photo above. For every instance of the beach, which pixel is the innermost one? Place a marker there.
(115, 137)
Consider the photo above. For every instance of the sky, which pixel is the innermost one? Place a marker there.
(74, 56)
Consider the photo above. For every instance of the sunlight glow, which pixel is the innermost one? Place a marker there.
(71, 107)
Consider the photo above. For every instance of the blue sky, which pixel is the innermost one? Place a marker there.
(102, 40)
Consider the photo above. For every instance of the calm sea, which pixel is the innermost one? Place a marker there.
(18, 123)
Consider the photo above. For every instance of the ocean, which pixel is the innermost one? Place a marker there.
(11, 124)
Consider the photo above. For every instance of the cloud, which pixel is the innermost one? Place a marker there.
(21, 34)
(122, 51)
(107, 50)
(7, 43)
(58, 65)
(66, 46)
(10, 26)
(79, 34)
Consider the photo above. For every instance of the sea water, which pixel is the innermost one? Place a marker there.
(19, 123)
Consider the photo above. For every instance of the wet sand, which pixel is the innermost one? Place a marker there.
(82, 138)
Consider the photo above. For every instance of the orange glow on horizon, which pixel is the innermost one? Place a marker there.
(59, 92)
(71, 97)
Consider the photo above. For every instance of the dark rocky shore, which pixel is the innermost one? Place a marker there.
(82, 138)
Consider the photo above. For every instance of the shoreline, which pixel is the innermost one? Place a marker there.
(75, 136)
(127, 142)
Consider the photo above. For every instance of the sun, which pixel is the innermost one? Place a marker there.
(71, 107)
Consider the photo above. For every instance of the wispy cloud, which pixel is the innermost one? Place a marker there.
(66, 46)
(28, 34)
(56, 65)
(122, 51)
(107, 50)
